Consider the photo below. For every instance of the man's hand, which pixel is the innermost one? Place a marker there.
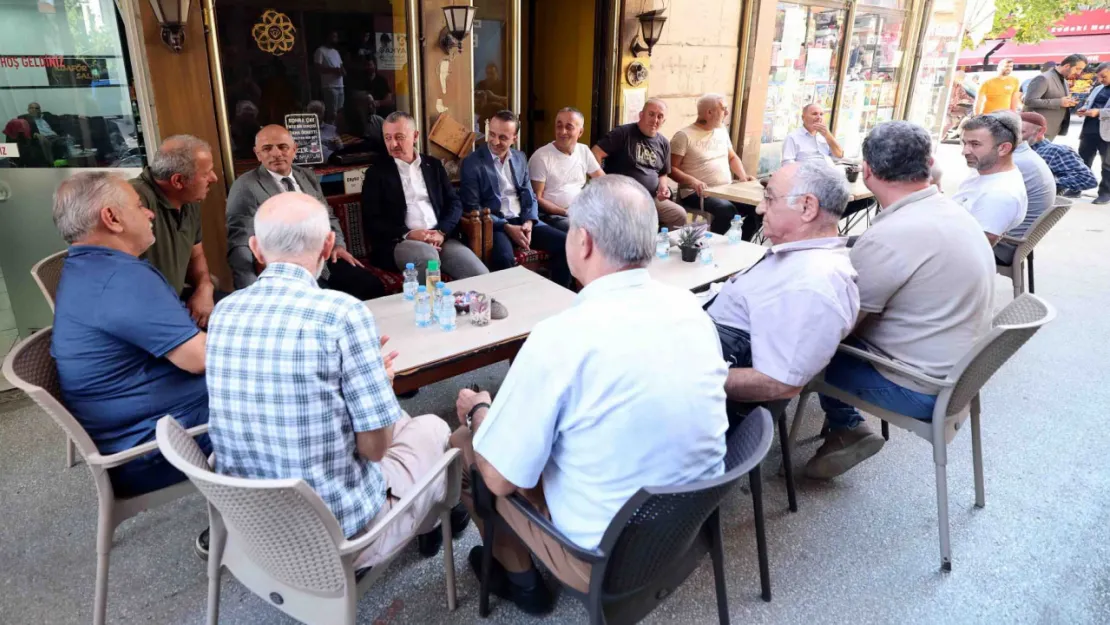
(388, 359)
(749, 178)
(200, 305)
(700, 187)
(526, 228)
(1068, 102)
(466, 401)
(822, 129)
(1092, 113)
(517, 236)
(663, 192)
(338, 253)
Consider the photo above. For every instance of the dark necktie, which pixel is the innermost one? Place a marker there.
(288, 182)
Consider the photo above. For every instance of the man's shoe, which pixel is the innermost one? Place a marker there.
(537, 599)
(408, 394)
(1072, 193)
(201, 546)
(1103, 198)
(428, 543)
(842, 450)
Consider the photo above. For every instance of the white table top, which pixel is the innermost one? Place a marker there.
(528, 296)
(751, 192)
(727, 260)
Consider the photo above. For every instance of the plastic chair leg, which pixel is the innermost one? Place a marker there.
(755, 479)
(216, 541)
(886, 431)
(70, 452)
(942, 518)
(977, 453)
(1029, 261)
(487, 566)
(787, 464)
(449, 558)
(717, 553)
(104, 532)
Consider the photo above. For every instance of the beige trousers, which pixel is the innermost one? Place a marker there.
(671, 214)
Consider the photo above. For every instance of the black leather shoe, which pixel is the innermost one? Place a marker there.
(460, 520)
(1103, 198)
(428, 543)
(536, 599)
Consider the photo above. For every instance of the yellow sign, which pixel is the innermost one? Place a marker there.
(274, 33)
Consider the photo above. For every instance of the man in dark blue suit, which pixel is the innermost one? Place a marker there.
(495, 176)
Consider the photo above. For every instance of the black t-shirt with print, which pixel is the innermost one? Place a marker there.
(632, 153)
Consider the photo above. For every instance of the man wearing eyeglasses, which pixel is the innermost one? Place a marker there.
(995, 195)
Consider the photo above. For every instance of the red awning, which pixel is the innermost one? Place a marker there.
(1095, 47)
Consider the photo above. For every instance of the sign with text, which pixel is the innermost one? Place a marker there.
(305, 129)
(76, 72)
(352, 180)
(11, 150)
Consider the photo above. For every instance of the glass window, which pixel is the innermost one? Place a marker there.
(491, 62)
(933, 105)
(874, 67)
(803, 70)
(65, 95)
(348, 67)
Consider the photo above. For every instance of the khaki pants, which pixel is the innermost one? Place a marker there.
(418, 443)
(671, 214)
(513, 551)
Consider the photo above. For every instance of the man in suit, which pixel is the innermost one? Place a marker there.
(410, 210)
(275, 148)
(1049, 95)
(46, 129)
(1095, 135)
(495, 176)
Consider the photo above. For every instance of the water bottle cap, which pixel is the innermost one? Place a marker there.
(440, 286)
(708, 235)
(446, 291)
(433, 265)
(410, 266)
(664, 231)
(421, 289)
(736, 217)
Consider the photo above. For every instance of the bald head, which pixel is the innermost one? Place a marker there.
(275, 149)
(652, 116)
(292, 228)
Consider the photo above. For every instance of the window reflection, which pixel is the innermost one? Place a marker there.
(871, 88)
(491, 91)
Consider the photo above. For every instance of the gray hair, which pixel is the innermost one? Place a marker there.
(898, 151)
(177, 155)
(708, 100)
(620, 216)
(282, 238)
(577, 113)
(242, 106)
(823, 181)
(1003, 126)
(400, 116)
(78, 200)
(316, 106)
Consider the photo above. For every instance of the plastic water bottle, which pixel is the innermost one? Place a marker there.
(446, 310)
(410, 281)
(423, 307)
(706, 253)
(431, 276)
(735, 234)
(663, 244)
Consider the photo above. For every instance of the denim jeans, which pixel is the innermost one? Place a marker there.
(862, 380)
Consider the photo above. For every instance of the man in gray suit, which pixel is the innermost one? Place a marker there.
(275, 149)
(1049, 95)
(1094, 138)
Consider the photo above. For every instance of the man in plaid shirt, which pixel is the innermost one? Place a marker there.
(299, 388)
(1072, 175)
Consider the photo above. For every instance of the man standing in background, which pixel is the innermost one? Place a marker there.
(1001, 92)
(1094, 138)
(1049, 94)
(329, 64)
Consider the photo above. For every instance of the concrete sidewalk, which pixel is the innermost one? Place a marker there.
(861, 549)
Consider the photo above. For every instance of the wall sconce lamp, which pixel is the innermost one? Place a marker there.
(172, 15)
(459, 20)
(651, 28)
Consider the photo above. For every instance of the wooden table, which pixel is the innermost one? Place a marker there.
(727, 260)
(751, 192)
(428, 355)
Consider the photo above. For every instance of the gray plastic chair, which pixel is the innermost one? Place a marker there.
(280, 540)
(31, 368)
(1011, 328)
(47, 273)
(1023, 254)
(656, 540)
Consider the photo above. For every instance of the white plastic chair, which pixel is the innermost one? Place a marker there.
(47, 273)
(1023, 254)
(30, 367)
(1011, 328)
(280, 540)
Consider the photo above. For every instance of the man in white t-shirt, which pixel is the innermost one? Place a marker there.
(329, 64)
(702, 157)
(996, 197)
(559, 169)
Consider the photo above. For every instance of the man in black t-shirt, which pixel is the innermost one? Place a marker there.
(639, 151)
(1094, 138)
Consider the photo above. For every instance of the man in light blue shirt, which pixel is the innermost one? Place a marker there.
(812, 140)
(597, 404)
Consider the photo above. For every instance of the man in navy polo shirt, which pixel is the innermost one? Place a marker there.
(127, 351)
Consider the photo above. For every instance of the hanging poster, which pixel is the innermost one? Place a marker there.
(793, 31)
(634, 100)
(886, 94)
(822, 95)
(818, 61)
(305, 130)
(392, 50)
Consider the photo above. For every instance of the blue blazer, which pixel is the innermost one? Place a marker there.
(480, 186)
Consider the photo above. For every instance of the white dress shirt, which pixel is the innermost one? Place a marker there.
(419, 214)
(510, 202)
(281, 185)
(600, 403)
(800, 145)
(797, 303)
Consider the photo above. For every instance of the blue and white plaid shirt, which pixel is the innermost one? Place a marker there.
(294, 371)
(1067, 167)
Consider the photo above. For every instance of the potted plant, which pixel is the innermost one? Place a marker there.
(690, 238)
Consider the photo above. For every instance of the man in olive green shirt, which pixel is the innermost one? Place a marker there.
(172, 187)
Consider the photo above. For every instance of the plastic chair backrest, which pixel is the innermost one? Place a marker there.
(30, 367)
(655, 531)
(283, 526)
(1011, 328)
(1042, 225)
(47, 273)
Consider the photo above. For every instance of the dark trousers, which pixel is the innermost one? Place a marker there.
(736, 347)
(153, 472)
(353, 281)
(1091, 144)
(723, 211)
(544, 238)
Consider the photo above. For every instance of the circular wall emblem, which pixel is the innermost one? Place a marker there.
(274, 33)
(637, 73)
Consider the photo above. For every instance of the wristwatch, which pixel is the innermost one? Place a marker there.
(470, 415)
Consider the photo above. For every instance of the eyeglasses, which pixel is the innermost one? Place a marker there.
(768, 198)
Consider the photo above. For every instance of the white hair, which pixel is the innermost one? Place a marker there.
(823, 181)
(708, 100)
(282, 238)
(78, 200)
(621, 218)
(177, 155)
